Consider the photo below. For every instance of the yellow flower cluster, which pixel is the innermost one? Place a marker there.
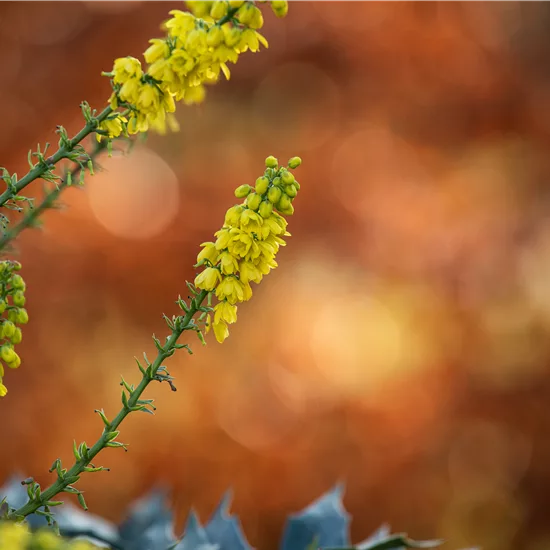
(18, 536)
(197, 48)
(246, 245)
(12, 300)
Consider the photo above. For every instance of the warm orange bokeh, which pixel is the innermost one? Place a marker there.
(404, 343)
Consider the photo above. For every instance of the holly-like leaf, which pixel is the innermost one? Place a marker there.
(224, 529)
(325, 519)
(194, 536)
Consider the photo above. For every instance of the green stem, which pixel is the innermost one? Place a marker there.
(31, 216)
(182, 324)
(41, 168)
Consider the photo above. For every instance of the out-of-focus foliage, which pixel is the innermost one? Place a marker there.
(149, 525)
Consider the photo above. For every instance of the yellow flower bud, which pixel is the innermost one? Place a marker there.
(233, 215)
(16, 266)
(22, 316)
(279, 7)
(236, 3)
(294, 162)
(15, 363)
(284, 202)
(7, 354)
(233, 37)
(18, 298)
(271, 162)
(242, 191)
(208, 252)
(287, 177)
(297, 185)
(2, 306)
(274, 194)
(287, 211)
(253, 201)
(218, 9)
(265, 209)
(261, 185)
(215, 36)
(291, 190)
(17, 336)
(8, 329)
(3, 390)
(18, 283)
(277, 181)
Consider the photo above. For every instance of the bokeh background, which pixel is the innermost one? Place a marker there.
(404, 343)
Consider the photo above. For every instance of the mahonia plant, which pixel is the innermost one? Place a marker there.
(248, 242)
(12, 313)
(195, 51)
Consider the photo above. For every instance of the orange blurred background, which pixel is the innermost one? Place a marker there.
(404, 343)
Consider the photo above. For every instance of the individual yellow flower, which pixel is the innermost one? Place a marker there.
(221, 331)
(208, 252)
(126, 68)
(208, 279)
(230, 289)
(224, 311)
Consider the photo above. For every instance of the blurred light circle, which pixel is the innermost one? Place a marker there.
(298, 105)
(136, 196)
(49, 23)
(111, 8)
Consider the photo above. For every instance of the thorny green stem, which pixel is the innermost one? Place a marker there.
(31, 216)
(183, 323)
(60, 154)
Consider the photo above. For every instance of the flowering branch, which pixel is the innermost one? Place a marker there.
(132, 402)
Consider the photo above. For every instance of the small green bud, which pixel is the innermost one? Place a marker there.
(12, 315)
(290, 190)
(287, 211)
(7, 354)
(297, 185)
(2, 306)
(287, 177)
(17, 336)
(19, 298)
(22, 316)
(284, 203)
(277, 181)
(271, 162)
(265, 209)
(294, 162)
(274, 194)
(18, 282)
(242, 191)
(253, 201)
(261, 185)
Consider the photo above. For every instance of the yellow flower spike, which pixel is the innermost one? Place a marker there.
(208, 279)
